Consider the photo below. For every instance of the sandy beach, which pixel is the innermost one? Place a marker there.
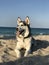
(39, 55)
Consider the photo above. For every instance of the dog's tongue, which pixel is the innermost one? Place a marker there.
(18, 32)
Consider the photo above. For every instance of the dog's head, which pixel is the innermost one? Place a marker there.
(23, 27)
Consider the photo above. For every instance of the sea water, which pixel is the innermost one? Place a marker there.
(10, 32)
(7, 32)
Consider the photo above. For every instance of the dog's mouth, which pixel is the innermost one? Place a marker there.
(20, 32)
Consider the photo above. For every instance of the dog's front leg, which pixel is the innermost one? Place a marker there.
(27, 52)
(18, 53)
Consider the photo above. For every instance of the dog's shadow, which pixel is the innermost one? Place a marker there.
(39, 44)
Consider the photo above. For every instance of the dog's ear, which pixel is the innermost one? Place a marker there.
(27, 21)
(18, 20)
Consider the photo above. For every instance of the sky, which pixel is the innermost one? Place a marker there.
(37, 10)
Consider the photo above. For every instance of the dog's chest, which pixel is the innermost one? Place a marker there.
(22, 41)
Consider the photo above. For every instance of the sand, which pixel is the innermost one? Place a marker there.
(39, 55)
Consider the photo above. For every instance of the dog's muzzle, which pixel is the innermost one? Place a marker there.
(20, 31)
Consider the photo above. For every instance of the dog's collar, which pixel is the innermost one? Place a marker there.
(27, 36)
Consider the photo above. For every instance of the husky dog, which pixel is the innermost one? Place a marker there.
(23, 36)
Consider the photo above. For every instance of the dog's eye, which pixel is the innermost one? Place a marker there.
(21, 25)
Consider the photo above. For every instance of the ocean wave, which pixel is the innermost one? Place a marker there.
(1, 36)
(41, 33)
(7, 36)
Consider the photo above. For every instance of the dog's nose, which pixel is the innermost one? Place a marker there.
(16, 29)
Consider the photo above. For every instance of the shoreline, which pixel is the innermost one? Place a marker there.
(36, 37)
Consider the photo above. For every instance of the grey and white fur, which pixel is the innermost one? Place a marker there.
(23, 36)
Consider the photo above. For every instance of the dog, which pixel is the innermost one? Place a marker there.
(23, 37)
